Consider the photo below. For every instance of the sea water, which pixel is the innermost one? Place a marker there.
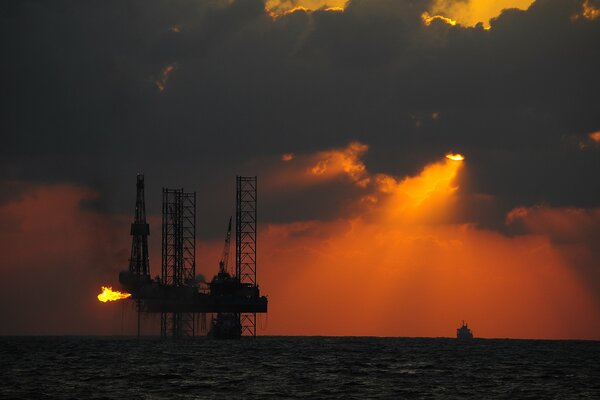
(297, 367)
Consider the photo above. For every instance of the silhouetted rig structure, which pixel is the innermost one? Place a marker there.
(182, 298)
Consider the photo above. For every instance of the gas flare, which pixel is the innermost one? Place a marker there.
(455, 157)
(111, 295)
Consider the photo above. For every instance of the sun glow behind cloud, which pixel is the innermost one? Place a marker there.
(416, 198)
(398, 259)
(455, 157)
(428, 19)
(278, 8)
(402, 263)
(471, 12)
(347, 161)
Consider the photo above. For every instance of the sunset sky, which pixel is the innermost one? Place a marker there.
(352, 114)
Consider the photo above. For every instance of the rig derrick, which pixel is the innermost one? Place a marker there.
(179, 295)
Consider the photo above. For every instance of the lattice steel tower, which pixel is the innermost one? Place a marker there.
(139, 264)
(178, 255)
(245, 242)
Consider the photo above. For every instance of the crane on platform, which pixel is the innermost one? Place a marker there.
(232, 298)
(225, 255)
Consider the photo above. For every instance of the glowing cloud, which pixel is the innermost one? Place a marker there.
(347, 162)
(414, 280)
(455, 157)
(470, 12)
(278, 8)
(399, 258)
(564, 225)
(161, 82)
(425, 197)
(595, 137)
(428, 19)
(589, 11)
(344, 161)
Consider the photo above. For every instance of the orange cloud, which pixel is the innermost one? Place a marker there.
(344, 161)
(562, 225)
(57, 253)
(347, 162)
(319, 167)
(428, 19)
(590, 10)
(592, 140)
(416, 280)
(287, 157)
(470, 12)
(278, 8)
(395, 266)
(161, 82)
(425, 197)
(573, 232)
(455, 157)
(359, 278)
(403, 268)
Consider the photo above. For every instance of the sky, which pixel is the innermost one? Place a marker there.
(345, 110)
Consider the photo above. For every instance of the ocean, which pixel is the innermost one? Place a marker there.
(297, 367)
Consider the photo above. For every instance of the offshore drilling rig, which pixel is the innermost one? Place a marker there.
(181, 297)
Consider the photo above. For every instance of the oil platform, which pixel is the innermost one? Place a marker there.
(184, 299)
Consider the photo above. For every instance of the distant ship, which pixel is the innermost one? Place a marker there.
(464, 333)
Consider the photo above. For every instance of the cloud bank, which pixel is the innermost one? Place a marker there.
(345, 116)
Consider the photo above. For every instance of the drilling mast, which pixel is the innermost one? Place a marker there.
(178, 255)
(245, 243)
(139, 265)
(176, 295)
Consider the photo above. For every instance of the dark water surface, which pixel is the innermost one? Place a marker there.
(297, 367)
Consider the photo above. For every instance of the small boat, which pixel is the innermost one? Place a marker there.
(464, 333)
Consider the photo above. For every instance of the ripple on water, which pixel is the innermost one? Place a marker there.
(297, 367)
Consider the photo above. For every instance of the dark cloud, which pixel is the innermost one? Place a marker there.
(80, 101)
(82, 113)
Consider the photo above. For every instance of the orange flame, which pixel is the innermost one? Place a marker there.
(455, 157)
(109, 295)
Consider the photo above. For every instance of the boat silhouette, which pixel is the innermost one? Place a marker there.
(464, 333)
